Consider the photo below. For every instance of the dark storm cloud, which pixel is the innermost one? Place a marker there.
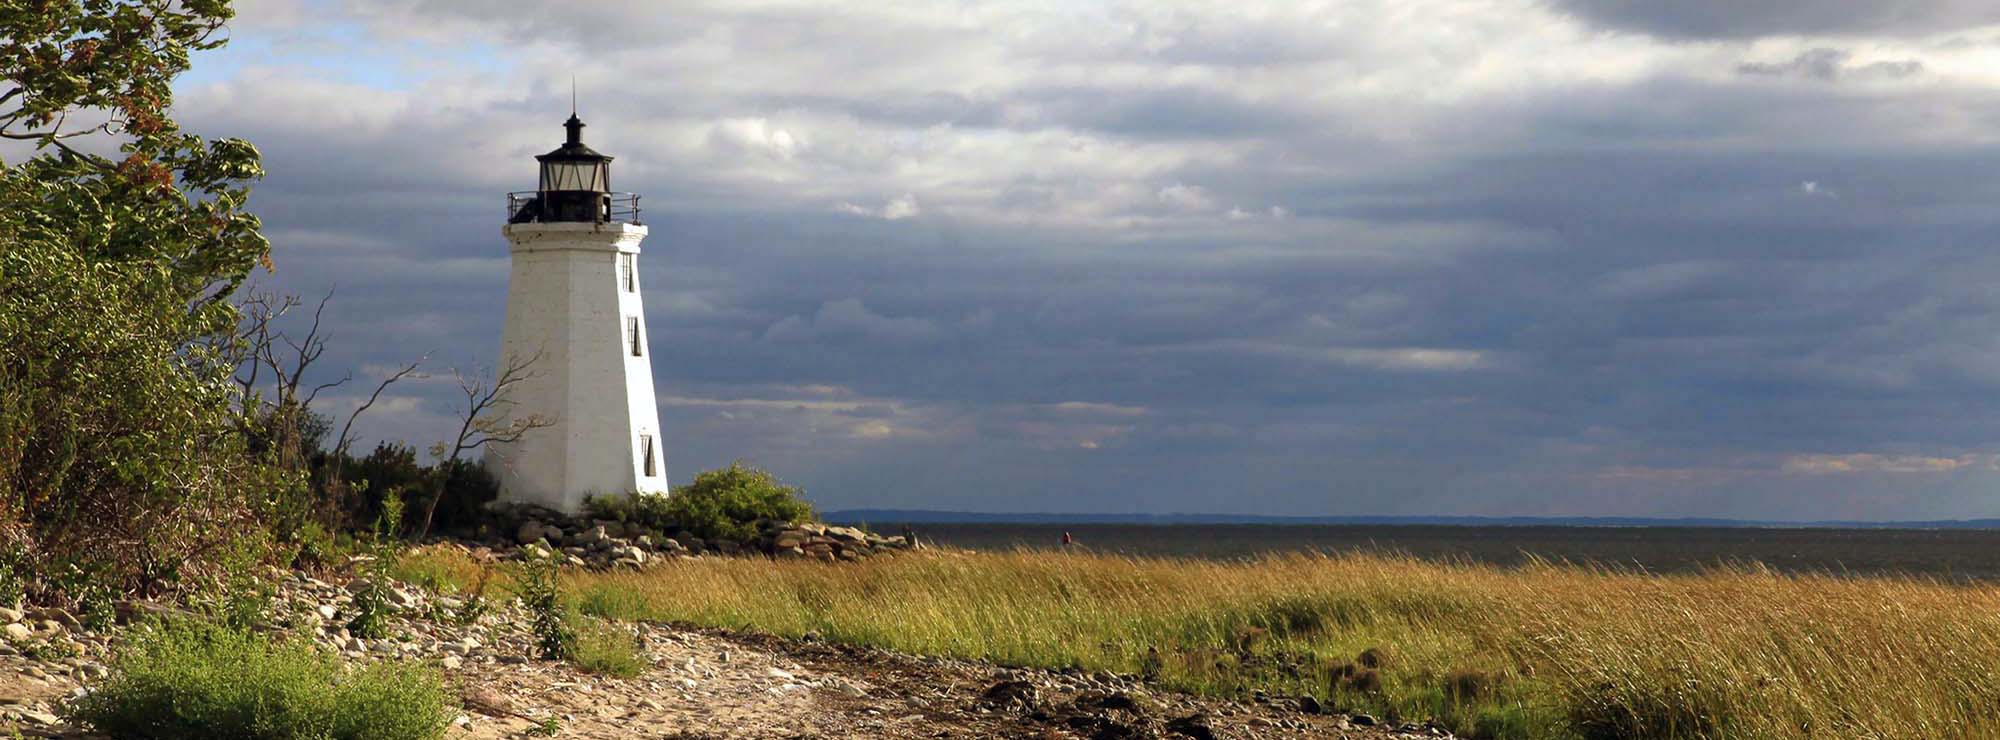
(1737, 19)
(1144, 261)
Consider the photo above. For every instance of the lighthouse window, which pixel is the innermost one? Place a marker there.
(646, 454)
(628, 272)
(632, 329)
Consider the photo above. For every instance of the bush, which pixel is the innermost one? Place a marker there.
(117, 454)
(120, 447)
(190, 680)
(466, 491)
(390, 471)
(725, 504)
(647, 510)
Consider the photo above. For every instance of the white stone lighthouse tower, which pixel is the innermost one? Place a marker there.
(575, 317)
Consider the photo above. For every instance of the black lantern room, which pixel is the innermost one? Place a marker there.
(576, 183)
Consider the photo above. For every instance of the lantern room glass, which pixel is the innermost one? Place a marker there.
(588, 176)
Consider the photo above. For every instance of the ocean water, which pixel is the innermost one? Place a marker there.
(1952, 554)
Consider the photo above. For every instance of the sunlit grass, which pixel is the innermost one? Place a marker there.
(1558, 651)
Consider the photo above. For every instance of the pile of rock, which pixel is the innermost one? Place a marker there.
(829, 543)
(601, 543)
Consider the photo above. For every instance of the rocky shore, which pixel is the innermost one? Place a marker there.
(601, 543)
(697, 683)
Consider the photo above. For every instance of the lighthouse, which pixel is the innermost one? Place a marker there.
(576, 333)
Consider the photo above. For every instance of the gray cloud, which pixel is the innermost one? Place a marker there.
(1831, 64)
(1737, 19)
(1155, 259)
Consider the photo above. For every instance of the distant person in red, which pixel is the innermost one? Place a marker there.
(1067, 540)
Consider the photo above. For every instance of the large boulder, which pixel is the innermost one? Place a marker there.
(530, 531)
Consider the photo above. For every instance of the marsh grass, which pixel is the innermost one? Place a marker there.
(1543, 650)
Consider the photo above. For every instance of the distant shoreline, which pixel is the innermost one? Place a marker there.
(926, 516)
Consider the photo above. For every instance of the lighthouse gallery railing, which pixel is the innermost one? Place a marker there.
(525, 207)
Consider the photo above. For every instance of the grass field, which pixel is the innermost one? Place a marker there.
(1540, 651)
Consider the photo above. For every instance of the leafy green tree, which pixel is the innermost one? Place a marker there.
(118, 449)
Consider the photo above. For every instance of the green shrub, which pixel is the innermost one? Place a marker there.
(465, 492)
(186, 680)
(120, 442)
(390, 471)
(726, 504)
(645, 510)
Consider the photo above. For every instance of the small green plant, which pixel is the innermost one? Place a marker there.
(185, 680)
(244, 604)
(317, 548)
(605, 650)
(13, 584)
(554, 636)
(548, 727)
(475, 604)
(371, 601)
(48, 649)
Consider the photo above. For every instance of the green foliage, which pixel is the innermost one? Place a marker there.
(554, 637)
(317, 548)
(464, 487)
(647, 510)
(729, 503)
(245, 604)
(605, 650)
(371, 601)
(119, 448)
(185, 680)
(475, 604)
(465, 491)
(389, 471)
(13, 583)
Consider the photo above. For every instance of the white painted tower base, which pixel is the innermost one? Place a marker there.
(573, 308)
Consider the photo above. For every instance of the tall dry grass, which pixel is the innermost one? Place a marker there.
(1541, 651)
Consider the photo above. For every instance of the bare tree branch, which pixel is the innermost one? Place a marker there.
(341, 442)
(488, 417)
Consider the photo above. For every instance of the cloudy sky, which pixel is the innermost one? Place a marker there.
(1541, 257)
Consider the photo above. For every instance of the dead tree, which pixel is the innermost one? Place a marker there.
(336, 468)
(488, 418)
(259, 346)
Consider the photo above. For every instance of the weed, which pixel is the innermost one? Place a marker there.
(372, 607)
(539, 592)
(475, 604)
